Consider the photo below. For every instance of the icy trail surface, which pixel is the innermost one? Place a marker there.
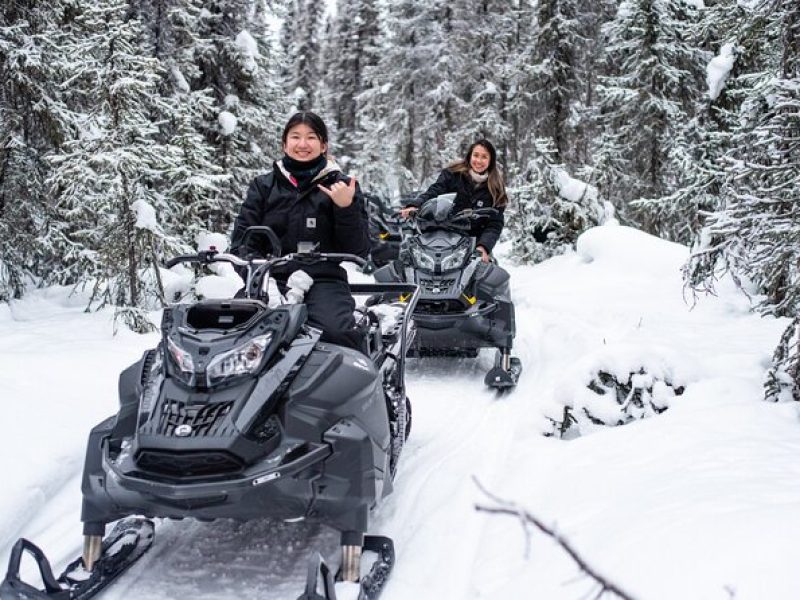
(699, 502)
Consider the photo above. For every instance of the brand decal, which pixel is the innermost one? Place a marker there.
(183, 430)
(311, 222)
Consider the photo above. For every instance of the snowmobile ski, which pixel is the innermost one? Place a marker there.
(502, 377)
(320, 582)
(126, 543)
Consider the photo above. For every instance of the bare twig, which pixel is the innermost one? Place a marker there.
(507, 507)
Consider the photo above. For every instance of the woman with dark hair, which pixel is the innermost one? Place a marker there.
(310, 204)
(477, 183)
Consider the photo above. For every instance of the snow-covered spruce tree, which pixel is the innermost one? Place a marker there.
(106, 182)
(646, 101)
(699, 159)
(557, 76)
(482, 34)
(409, 107)
(34, 119)
(549, 208)
(238, 61)
(301, 45)
(521, 88)
(350, 48)
(755, 235)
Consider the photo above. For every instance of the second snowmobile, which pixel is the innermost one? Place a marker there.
(465, 304)
(242, 412)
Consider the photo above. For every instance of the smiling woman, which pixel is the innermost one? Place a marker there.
(310, 204)
(478, 183)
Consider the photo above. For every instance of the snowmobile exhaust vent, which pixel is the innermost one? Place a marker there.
(177, 418)
(188, 464)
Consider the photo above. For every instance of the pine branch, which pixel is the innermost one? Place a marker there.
(507, 507)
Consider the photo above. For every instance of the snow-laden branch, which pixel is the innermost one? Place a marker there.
(506, 507)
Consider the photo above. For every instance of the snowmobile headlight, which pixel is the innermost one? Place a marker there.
(456, 259)
(422, 260)
(242, 360)
(182, 358)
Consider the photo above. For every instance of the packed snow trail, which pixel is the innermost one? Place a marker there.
(700, 502)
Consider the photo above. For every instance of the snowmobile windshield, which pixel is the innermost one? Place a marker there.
(437, 210)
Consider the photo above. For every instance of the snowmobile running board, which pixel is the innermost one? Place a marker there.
(371, 584)
(126, 543)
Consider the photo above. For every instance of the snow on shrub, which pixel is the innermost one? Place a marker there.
(619, 384)
(783, 378)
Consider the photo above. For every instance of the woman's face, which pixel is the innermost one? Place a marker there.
(303, 144)
(479, 159)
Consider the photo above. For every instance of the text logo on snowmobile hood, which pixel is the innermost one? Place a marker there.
(183, 430)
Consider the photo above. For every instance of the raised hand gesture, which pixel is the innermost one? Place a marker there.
(341, 193)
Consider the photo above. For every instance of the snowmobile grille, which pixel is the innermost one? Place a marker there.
(205, 420)
(187, 464)
(436, 286)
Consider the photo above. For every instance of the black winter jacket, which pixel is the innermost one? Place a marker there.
(468, 195)
(302, 215)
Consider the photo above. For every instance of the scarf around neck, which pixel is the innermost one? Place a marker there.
(479, 177)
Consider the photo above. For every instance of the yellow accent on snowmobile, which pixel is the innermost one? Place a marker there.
(404, 297)
(470, 299)
(383, 235)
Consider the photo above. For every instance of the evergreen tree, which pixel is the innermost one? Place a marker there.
(351, 48)
(646, 101)
(558, 76)
(301, 45)
(482, 36)
(238, 63)
(106, 181)
(34, 119)
(550, 208)
(409, 106)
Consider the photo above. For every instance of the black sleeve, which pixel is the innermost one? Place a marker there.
(492, 230)
(445, 184)
(351, 225)
(251, 213)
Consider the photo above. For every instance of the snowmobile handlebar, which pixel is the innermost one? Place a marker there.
(205, 257)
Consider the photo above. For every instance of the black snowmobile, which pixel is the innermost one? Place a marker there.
(384, 231)
(464, 303)
(241, 412)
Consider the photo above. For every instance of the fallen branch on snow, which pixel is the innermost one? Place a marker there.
(507, 507)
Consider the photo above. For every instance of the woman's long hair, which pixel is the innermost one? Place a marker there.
(495, 183)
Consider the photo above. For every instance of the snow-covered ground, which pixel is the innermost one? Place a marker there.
(701, 501)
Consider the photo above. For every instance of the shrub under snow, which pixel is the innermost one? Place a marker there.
(621, 384)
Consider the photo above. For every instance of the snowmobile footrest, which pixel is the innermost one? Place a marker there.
(499, 378)
(126, 543)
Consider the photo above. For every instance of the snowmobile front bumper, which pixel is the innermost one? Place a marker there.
(477, 327)
(234, 487)
(296, 481)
